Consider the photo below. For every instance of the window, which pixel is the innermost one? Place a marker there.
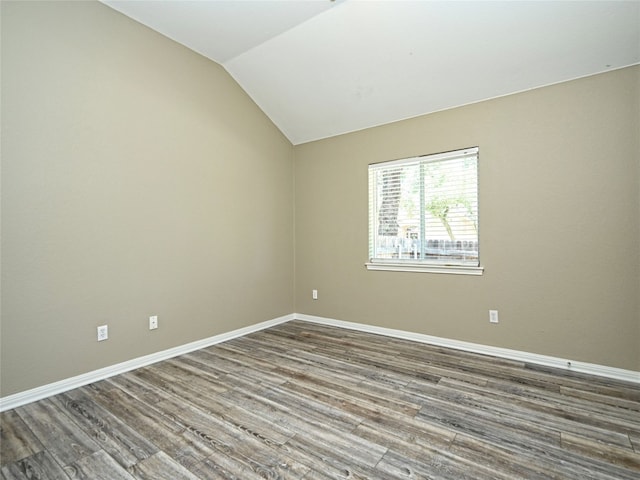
(423, 213)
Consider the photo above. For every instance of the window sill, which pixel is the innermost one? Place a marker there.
(417, 267)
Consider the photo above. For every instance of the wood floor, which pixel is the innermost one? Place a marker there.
(305, 401)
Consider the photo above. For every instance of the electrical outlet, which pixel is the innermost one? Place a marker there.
(493, 316)
(103, 332)
(153, 322)
(314, 294)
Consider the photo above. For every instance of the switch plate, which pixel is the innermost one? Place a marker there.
(153, 322)
(103, 332)
(493, 316)
(314, 294)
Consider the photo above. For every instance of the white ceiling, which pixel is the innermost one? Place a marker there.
(319, 68)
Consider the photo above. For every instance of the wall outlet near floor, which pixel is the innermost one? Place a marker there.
(153, 322)
(493, 316)
(103, 332)
(314, 294)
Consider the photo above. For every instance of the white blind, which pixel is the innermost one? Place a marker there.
(425, 209)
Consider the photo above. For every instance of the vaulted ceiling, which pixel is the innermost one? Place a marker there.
(320, 68)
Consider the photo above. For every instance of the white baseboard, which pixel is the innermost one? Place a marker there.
(563, 363)
(38, 393)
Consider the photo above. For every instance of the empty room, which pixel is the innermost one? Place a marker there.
(317, 239)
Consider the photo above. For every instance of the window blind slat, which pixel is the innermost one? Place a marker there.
(425, 209)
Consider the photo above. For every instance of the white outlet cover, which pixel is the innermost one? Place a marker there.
(153, 322)
(103, 333)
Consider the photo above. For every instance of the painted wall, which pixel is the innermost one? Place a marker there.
(137, 179)
(559, 224)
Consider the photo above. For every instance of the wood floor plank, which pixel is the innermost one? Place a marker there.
(504, 459)
(221, 466)
(317, 475)
(227, 407)
(236, 441)
(579, 381)
(436, 466)
(624, 412)
(97, 466)
(614, 403)
(61, 437)
(407, 366)
(40, 465)
(168, 435)
(517, 438)
(315, 402)
(338, 462)
(611, 454)
(17, 441)
(553, 417)
(539, 465)
(160, 466)
(408, 429)
(412, 457)
(294, 411)
(119, 440)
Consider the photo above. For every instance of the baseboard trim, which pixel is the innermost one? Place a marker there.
(555, 362)
(22, 398)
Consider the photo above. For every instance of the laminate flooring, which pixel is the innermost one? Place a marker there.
(307, 401)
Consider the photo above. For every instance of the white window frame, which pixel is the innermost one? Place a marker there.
(418, 265)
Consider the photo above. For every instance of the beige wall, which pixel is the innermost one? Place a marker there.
(137, 179)
(559, 224)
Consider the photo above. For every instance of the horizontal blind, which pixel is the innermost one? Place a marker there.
(425, 209)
